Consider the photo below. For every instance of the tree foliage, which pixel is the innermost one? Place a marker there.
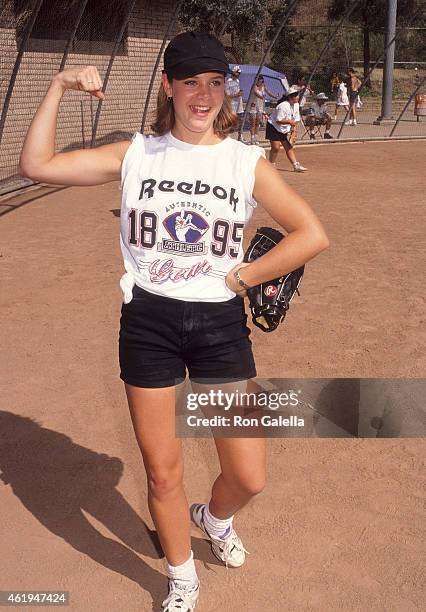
(373, 12)
(288, 44)
(371, 15)
(242, 20)
(250, 25)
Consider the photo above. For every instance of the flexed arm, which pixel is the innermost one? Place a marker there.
(40, 162)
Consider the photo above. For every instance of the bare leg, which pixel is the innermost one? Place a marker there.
(243, 465)
(252, 126)
(289, 151)
(153, 417)
(273, 153)
(256, 126)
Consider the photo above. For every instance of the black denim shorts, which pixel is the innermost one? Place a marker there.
(162, 338)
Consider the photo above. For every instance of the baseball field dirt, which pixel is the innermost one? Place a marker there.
(339, 525)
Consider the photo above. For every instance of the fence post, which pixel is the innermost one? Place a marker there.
(388, 65)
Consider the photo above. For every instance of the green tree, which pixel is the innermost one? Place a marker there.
(243, 21)
(287, 46)
(371, 15)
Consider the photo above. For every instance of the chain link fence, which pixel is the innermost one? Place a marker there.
(312, 44)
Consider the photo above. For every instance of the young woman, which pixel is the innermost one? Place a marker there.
(282, 125)
(342, 99)
(258, 107)
(186, 195)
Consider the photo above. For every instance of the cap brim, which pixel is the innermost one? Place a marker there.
(197, 66)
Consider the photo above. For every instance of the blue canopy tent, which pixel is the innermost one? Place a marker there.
(274, 81)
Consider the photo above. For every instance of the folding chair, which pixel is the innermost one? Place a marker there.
(315, 130)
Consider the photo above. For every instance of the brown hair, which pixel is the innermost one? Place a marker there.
(225, 122)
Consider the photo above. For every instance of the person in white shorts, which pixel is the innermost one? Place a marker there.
(183, 308)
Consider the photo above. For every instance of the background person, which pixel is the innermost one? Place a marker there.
(281, 128)
(168, 295)
(354, 85)
(319, 116)
(342, 98)
(334, 85)
(235, 93)
(257, 108)
(305, 92)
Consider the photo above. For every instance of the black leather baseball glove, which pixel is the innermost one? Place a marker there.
(270, 300)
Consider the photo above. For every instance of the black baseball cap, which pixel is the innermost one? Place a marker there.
(192, 53)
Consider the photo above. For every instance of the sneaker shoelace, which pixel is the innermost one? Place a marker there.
(178, 599)
(227, 546)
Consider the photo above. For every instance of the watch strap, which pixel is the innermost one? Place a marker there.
(240, 280)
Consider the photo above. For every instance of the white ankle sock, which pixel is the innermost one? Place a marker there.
(218, 528)
(184, 575)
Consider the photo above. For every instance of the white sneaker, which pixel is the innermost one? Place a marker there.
(354, 122)
(297, 167)
(348, 122)
(180, 599)
(230, 551)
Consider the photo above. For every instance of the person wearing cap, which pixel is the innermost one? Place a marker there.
(187, 193)
(319, 115)
(282, 125)
(235, 93)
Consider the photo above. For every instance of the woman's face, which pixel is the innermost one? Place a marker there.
(197, 101)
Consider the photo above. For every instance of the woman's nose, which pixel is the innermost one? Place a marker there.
(203, 90)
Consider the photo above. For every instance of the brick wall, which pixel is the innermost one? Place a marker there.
(126, 93)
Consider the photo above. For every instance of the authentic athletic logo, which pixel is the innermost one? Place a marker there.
(185, 229)
(270, 290)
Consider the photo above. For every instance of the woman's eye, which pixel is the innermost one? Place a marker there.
(190, 83)
(216, 83)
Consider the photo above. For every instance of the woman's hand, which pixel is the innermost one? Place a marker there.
(232, 283)
(81, 79)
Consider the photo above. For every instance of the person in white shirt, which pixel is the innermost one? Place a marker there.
(183, 309)
(319, 115)
(305, 92)
(235, 93)
(281, 128)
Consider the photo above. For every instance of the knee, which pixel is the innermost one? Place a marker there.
(164, 481)
(250, 484)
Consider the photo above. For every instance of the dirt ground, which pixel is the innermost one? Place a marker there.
(339, 526)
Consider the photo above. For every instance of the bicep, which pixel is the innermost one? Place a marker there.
(284, 205)
(84, 166)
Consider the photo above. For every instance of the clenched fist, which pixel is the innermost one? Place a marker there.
(81, 79)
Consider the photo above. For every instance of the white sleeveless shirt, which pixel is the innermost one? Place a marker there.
(183, 212)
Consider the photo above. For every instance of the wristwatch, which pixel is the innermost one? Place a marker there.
(240, 280)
